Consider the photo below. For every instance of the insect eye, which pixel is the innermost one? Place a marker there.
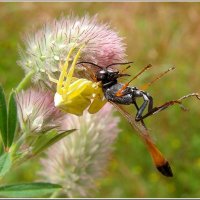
(101, 75)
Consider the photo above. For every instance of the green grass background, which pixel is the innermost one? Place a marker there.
(163, 34)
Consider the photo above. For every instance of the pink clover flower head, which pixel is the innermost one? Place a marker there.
(36, 111)
(77, 161)
(48, 47)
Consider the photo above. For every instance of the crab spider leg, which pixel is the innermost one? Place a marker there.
(63, 72)
(64, 75)
(71, 71)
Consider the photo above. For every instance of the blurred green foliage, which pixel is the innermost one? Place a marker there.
(163, 34)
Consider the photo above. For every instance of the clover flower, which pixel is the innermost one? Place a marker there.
(36, 111)
(48, 47)
(79, 159)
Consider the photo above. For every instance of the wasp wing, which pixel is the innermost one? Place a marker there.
(159, 160)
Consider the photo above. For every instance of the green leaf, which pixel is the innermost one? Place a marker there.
(1, 148)
(5, 163)
(50, 141)
(3, 117)
(12, 118)
(44, 138)
(28, 190)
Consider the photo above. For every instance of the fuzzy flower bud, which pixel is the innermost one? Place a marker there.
(36, 111)
(79, 159)
(48, 47)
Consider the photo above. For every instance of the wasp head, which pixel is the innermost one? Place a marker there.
(108, 75)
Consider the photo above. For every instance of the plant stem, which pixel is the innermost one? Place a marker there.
(25, 81)
(17, 144)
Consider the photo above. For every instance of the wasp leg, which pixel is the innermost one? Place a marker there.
(148, 101)
(160, 108)
(119, 93)
(150, 107)
(144, 87)
(142, 121)
(168, 104)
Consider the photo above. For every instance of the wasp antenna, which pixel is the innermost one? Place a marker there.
(125, 63)
(128, 67)
(125, 69)
(121, 75)
(91, 64)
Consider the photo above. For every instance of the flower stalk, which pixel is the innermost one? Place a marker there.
(25, 81)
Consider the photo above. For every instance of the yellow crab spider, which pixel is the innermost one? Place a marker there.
(74, 95)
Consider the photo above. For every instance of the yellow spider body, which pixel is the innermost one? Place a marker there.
(74, 95)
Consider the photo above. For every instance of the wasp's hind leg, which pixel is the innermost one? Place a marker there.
(155, 110)
(142, 121)
(148, 101)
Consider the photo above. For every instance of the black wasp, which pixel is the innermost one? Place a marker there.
(123, 94)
